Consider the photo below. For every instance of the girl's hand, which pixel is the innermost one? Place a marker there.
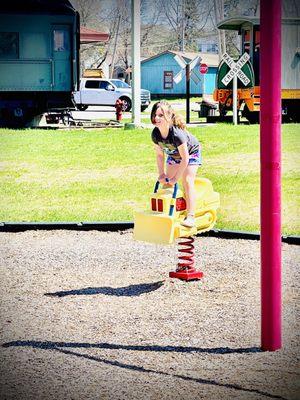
(162, 178)
(172, 181)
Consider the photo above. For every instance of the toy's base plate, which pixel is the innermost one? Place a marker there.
(186, 275)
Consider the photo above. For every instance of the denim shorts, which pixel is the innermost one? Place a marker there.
(195, 159)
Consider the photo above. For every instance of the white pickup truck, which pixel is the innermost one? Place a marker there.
(105, 92)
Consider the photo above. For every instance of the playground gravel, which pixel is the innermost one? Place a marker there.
(94, 315)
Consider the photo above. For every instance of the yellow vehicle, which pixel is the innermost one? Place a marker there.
(162, 223)
(93, 73)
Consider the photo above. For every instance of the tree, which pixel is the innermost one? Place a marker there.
(89, 11)
(118, 20)
(91, 16)
(165, 25)
(219, 16)
(187, 19)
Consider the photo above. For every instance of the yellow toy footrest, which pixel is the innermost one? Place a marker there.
(153, 228)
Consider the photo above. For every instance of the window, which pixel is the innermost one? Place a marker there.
(9, 45)
(246, 41)
(208, 48)
(168, 79)
(34, 45)
(256, 37)
(92, 84)
(97, 84)
(61, 40)
(104, 84)
(256, 55)
(119, 83)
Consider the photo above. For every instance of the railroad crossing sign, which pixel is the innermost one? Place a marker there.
(187, 69)
(194, 63)
(235, 69)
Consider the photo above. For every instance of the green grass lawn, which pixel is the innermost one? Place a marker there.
(106, 174)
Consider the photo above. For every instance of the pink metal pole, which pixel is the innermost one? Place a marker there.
(270, 159)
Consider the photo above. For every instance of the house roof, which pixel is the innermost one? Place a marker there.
(237, 22)
(211, 59)
(37, 6)
(88, 35)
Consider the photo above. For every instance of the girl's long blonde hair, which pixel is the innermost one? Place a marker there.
(170, 115)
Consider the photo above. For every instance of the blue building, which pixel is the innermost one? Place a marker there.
(157, 73)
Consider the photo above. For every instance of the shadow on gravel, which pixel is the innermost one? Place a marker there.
(127, 291)
(59, 346)
(111, 346)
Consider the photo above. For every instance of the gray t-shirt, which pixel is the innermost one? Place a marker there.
(175, 138)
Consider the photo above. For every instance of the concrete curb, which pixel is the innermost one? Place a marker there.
(124, 225)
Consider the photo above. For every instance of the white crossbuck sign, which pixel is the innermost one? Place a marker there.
(235, 69)
(194, 63)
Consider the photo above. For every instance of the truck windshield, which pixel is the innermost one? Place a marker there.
(120, 84)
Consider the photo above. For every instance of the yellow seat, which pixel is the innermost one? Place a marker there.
(162, 223)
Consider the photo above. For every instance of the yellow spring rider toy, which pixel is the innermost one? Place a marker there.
(162, 223)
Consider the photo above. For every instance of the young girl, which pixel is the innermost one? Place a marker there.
(182, 150)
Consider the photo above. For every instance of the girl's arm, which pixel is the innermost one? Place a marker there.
(184, 154)
(160, 161)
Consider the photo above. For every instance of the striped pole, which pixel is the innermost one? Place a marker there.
(270, 159)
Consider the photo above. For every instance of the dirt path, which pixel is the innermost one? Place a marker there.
(93, 315)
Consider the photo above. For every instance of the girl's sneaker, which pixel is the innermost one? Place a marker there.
(189, 221)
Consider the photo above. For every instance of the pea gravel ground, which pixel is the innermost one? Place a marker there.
(94, 315)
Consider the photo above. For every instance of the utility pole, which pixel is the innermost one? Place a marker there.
(136, 62)
(112, 65)
(183, 26)
(219, 15)
(223, 38)
(188, 92)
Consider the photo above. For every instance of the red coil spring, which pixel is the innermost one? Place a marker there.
(187, 261)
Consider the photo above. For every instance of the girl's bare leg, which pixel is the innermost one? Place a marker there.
(171, 169)
(188, 182)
